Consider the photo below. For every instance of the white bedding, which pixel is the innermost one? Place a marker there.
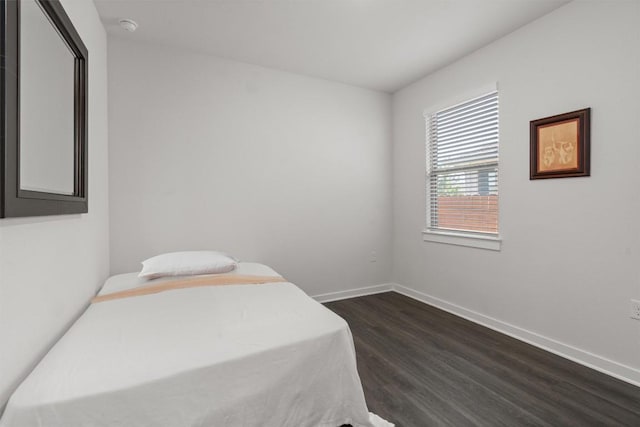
(221, 356)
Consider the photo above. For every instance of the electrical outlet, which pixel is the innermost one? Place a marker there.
(635, 309)
(373, 257)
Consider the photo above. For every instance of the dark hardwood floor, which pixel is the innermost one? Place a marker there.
(421, 366)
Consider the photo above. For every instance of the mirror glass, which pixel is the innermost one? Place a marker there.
(47, 141)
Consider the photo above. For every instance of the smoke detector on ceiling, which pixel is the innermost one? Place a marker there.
(129, 25)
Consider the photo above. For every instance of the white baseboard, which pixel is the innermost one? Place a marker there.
(352, 293)
(583, 357)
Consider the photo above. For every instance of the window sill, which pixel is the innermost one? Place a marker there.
(461, 239)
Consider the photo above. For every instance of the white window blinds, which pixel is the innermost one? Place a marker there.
(462, 167)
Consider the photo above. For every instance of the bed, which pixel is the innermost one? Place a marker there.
(238, 355)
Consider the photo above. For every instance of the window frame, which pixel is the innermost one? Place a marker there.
(466, 238)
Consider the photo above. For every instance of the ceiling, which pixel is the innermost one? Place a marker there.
(377, 44)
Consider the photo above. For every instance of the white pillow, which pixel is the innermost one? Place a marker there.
(187, 263)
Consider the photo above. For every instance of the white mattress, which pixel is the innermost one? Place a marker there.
(243, 355)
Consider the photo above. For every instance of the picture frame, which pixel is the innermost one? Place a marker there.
(560, 145)
(30, 162)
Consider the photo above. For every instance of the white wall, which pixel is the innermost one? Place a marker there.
(269, 166)
(51, 266)
(571, 248)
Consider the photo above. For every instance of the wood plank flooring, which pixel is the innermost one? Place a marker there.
(421, 366)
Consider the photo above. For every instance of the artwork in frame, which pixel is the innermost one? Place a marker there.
(560, 145)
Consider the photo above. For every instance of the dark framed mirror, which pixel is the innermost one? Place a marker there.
(43, 90)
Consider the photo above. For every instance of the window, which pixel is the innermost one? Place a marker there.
(462, 168)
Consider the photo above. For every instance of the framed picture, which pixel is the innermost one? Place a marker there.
(560, 145)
